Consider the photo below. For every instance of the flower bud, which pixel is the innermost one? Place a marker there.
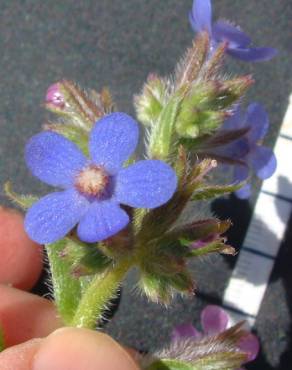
(54, 97)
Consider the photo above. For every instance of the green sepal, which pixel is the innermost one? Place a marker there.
(165, 364)
(226, 92)
(161, 288)
(151, 101)
(206, 106)
(73, 133)
(198, 230)
(214, 64)
(162, 135)
(23, 201)
(219, 352)
(80, 104)
(2, 341)
(220, 361)
(85, 259)
(67, 288)
(191, 65)
(215, 191)
(195, 122)
(218, 246)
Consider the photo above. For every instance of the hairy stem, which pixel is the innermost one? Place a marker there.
(67, 289)
(2, 342)
(95, 298)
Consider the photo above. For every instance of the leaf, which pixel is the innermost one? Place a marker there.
(211, 192)
(67, 289)
(23, 201)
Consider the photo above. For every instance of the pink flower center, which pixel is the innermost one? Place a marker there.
(92, 181)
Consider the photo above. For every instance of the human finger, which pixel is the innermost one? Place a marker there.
(75, 349)
(24, 316)
(21, 258)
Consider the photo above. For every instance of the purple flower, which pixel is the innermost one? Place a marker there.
(214, 320)
(238, 42)
(94, 188)
(247, 149)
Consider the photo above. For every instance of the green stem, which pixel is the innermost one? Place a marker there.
(98, 294)
(67, 289)
(2, 342)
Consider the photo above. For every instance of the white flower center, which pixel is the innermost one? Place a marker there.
(92, 181)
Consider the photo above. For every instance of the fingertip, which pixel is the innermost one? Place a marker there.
(24, 316)
(19, 357)
(75, 349)
(21, 258)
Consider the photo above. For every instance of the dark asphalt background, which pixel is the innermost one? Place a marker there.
(117, 43)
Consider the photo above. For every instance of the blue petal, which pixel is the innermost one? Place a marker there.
(201, 16)
(103, 220)
(253, 54)
(223, 31)
(146, 184)
(54, 215)
(112, 140)
(240, 173)
(53, 159)
(244, 192)
(258, 120)
(236, 121)
(236, 150)
(264, 162)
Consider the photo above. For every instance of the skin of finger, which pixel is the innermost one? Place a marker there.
(24, 316)
(21, 258)
(75, 349)
(19, 357)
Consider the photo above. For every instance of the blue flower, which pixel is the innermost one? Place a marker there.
(247, 150)
(94, 188)
(238, 42)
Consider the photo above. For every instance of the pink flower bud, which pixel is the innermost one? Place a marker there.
(54, 97)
